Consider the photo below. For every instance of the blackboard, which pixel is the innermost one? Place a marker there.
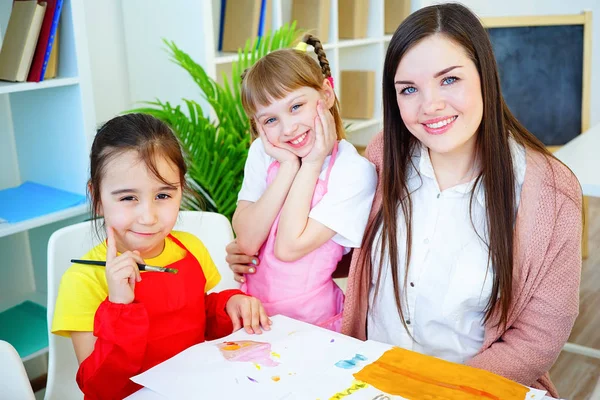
(542, 76)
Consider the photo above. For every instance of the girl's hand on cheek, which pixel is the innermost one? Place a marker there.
(281, 155)
(325, 136)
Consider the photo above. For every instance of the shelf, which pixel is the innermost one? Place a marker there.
(9, 229)
(225, 58)
(358, 124)
(387, 38)
(13, 87)
(356, 42)
(27, 330)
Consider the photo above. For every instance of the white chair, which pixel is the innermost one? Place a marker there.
(14, 383)
(73, 241)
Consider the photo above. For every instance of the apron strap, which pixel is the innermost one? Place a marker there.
(331, 162)
(177, 242)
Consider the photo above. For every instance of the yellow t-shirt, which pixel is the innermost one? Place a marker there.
(84, 287)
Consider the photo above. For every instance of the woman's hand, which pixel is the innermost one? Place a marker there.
(325, 136)
(239, 262)
(250, 311)
(122, 271)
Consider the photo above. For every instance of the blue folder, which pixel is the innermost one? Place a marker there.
(31, 200)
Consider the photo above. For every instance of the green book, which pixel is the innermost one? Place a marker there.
(24, 326)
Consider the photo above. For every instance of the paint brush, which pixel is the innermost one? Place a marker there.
(142, 267)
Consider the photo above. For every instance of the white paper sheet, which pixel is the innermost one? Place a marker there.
(301, 351)
(300, 364)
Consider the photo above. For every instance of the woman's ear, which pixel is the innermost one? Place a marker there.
(328, 93)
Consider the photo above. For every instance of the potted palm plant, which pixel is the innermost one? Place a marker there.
(216, 148)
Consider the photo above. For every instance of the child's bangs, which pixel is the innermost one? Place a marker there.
(149, 155)
(273, 78)
(259, 93)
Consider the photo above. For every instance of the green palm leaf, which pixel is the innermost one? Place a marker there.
(216, 150)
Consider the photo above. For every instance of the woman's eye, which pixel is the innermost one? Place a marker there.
(163, 196)
(449, 80)
(296, 106)
(408, 90)
(269, 121)
(128, 198)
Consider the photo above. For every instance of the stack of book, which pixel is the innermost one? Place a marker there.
(29, 49)
(242, 20)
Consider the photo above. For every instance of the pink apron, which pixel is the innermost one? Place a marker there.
(301, 289)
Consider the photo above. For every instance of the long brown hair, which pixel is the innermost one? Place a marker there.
(283, 71)
(459, 24)
(143, 133)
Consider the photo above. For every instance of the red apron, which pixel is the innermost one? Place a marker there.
(170, 313)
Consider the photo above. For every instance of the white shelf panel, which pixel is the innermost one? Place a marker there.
(9, 229)
(387, 38)
(358, 124)
(13, 87)
(357, 42)
(225, 58)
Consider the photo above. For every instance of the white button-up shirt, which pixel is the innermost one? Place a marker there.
(449, 279)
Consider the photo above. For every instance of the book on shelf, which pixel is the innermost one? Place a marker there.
(45, 41)
(357, 94)
(264, 24)
(20, 40)
(31, 200)
(353, 16)
(313, 16)
(241, 21)
(395, 12)
(24, 326)
(52, 68)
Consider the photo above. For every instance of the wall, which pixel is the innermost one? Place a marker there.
(486, 8)
(109, 69)
(105, 34)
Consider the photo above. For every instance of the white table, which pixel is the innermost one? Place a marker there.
(582, 155)
(147, 394)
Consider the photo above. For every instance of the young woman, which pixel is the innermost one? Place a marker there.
(472, 250)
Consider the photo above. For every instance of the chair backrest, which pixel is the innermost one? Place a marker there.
(214, 230)
(14, 383)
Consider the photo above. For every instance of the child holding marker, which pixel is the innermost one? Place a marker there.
(123, 321)
(306, 194)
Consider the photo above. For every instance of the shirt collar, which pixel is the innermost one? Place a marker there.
(424, 167)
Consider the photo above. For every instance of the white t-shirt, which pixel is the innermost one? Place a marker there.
(346, 205)
(449, 282)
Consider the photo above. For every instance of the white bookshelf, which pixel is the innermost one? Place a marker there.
(194, 26)
(46, 130)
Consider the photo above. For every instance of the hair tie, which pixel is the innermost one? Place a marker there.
(302, 46)
(330, 79)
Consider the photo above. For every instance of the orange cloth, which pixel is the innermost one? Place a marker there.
(414, 375)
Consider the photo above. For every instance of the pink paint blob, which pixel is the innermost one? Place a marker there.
(248, 351)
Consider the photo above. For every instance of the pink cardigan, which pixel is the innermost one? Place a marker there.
(547, 271)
